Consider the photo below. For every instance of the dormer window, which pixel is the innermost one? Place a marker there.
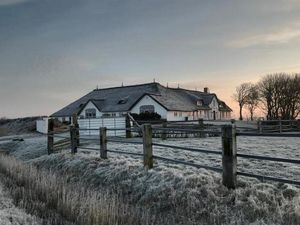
(199, 103)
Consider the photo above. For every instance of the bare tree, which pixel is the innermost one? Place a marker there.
(252, 99)
(280, 95)
(241, 95)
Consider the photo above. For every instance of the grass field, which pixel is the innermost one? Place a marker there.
(168, 194)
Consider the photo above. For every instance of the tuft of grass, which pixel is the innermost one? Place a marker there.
(58, 202)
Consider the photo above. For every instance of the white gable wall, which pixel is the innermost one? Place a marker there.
(90, 105)
(214, 105)
(147, 100)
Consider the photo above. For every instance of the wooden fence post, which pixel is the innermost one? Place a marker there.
(229, 158)
(50, 141)
(259, 126)
(76, 126)
(164, 132)
(103, 142)
(73, 139)
(200, 122)
(128, 127)
(280, 126)
(147, 146)
(201, 127)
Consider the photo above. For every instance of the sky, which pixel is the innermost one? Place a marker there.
(54, 51)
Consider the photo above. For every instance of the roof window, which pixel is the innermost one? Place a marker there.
(123, 100)
(199, 103)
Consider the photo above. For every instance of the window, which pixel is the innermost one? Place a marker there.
(199, 102)
(147, 108)
(122, 113)
(180, 114)
(123, 100)
(90, 113)
(175, 114)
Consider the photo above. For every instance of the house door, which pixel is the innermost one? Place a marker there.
(214, 115)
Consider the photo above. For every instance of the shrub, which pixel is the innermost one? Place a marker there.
(146, 116)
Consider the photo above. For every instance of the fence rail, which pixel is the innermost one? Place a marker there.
(267, 158)
(268, 134)
(220, 170)
(278, 126)
(188, 149)
(228, 153)
(264, 178)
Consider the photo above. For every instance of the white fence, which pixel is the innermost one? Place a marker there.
(109, 123)
(42, 125)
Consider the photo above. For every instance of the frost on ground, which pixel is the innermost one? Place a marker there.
(181, 196)
(32, 146)
(178, 194)
(10, 214)
(264, 146)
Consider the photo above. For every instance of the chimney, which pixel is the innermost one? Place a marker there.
(206, 90)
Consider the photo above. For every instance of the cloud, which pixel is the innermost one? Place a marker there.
(272, 38)
(11, 2)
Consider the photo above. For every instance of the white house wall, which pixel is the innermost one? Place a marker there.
(42, 125)
(180, 116)
(90, 105)
(146, 100)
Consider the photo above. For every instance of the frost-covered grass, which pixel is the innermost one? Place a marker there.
(57, 201)
(266, 146)
(32, 147)
(10, 214)
(178, 194)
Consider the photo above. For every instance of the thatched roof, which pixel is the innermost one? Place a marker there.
(122, 99)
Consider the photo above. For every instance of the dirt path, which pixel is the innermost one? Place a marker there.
(10, 214)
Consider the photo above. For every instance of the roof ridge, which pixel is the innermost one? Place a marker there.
(134, 85)
(184, 89)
